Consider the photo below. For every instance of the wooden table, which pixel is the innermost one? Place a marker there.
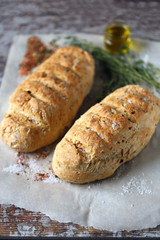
(70, 16)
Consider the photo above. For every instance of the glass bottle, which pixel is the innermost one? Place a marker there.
(117, 37)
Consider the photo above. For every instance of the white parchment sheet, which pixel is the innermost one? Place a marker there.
(129, 200)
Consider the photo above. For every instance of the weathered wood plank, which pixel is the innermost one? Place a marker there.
(15, 221)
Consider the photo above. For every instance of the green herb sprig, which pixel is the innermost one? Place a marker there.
(123, 69)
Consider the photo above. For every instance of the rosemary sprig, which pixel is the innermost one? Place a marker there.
(123, 69)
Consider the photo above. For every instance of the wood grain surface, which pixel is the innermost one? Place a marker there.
(68, 16)
(20, 222)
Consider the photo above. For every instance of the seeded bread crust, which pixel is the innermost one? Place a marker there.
(44, 105)
(109, 134)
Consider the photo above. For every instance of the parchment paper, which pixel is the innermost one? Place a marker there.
(128, 200)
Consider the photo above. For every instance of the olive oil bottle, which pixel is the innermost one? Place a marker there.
(117, 37)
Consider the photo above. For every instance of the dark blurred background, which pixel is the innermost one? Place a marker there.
(69, 16)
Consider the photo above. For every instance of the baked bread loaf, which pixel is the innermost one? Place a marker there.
(44, 105)
(110, 133)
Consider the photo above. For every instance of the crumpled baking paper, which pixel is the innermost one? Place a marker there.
(129, 200)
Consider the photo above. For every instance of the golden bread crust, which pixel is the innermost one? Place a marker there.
(107, 135)
(44, 105)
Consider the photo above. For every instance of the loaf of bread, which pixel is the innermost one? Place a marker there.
(44, 105)
(109, 134)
